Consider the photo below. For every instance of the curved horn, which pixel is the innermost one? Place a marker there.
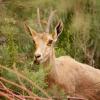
(50, 21)
(38, 19)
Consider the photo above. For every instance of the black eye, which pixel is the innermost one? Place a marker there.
(49, 42)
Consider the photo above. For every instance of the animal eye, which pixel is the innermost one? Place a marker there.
(49, 42)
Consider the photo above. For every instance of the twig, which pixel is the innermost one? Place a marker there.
(31, 82)
(14, 96)
(5, 95)
(21, 83)
(23, 88)
(75, 98)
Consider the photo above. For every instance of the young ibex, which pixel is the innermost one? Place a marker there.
(76, 78)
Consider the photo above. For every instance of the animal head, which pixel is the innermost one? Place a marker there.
(44, 42)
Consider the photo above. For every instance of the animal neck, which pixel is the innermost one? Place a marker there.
(50, 62)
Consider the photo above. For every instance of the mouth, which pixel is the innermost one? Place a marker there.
(37, 62)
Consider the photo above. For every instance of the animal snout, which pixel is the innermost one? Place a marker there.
(37, 56)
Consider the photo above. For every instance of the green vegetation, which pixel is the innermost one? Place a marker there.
(80, 38)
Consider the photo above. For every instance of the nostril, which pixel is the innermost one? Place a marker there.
(37, 56)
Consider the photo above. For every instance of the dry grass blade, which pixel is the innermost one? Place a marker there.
(75, 98)
(28, 80)
(10, 95)
(5, 95)
(17, 85)
(21, 83)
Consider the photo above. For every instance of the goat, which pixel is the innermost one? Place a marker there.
(77, 79)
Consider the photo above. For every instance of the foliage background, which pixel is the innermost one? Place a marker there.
(80, 38)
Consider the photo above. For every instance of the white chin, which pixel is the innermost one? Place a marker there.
(43, 60)
(39, 62)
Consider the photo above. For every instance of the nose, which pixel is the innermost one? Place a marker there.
(37, 56)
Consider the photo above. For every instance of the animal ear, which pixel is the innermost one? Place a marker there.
(31, 31)
(58, 29)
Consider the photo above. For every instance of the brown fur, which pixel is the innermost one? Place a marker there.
(75, 78)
